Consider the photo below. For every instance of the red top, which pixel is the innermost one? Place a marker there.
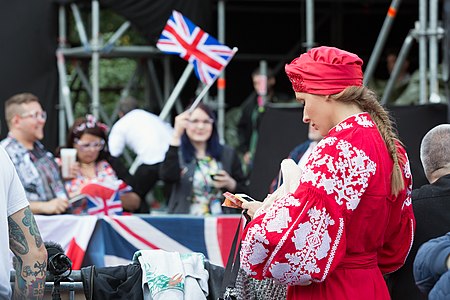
(342, 228)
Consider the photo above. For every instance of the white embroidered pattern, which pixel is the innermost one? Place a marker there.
(333, 250)
(343, 125)
(276, 219)
(362, 120)
(407, 174)
(252, 248)
(312, 244)
(407, 169)
(347, 174)
(305, 253)
(279, 220)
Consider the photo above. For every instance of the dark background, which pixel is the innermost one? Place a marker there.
(276, 141)
(271, 30)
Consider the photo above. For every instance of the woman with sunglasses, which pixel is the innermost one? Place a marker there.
(199, 167)
(88, 137)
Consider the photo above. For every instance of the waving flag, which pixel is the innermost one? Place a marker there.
(104, 198)
(181, 36)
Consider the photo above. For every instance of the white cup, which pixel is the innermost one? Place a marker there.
(68, 158)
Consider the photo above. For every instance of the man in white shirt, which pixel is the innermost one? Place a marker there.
(20, 234)
(148, 137)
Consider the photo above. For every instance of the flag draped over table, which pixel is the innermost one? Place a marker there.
(208, 56)
(73, 233)
(124, 235)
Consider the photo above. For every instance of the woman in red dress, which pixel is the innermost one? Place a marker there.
(350, 221)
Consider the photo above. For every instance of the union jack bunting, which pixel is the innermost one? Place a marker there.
(181, 36)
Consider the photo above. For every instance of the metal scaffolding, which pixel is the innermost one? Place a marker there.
(94, 50)
(428, 34)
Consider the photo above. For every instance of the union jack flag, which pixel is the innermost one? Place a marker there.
(181, 36)
(104, 198)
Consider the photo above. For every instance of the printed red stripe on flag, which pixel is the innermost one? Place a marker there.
(76, 254)
(226, 229)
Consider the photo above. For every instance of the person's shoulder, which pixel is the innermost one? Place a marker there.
(249, 102)
(103, 164)
(421, 193)
(7, 142)
(40, 147)
(438, 189)
(13, 147)
(4, 156)
(358, 129)
(302, 146)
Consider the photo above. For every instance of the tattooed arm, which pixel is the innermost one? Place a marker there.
(26, 243)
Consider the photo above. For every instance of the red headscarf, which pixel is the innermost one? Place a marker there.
(325, 71)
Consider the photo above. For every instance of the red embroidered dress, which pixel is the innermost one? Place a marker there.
(341, 229)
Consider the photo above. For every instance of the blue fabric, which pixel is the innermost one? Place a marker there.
(441, 289)
(430, 270)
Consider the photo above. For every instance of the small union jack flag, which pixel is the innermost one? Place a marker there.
(104, 198)
(181, 36)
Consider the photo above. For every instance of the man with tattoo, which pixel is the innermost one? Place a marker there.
(23, 238)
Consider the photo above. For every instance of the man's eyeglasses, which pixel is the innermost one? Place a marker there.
(93, 145)
(204, 122)
(42, 115)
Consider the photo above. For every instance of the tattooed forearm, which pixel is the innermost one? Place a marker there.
(30, 281)
(17, 241)
(35, 290)
(30, 261)
(30, 222)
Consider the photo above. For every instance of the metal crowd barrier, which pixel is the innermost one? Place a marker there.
(71, 288)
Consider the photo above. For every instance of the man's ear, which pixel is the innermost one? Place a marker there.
(15, 120)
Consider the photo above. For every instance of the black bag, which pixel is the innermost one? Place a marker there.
(237, 285)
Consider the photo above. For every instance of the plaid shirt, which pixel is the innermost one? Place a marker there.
(37, 170)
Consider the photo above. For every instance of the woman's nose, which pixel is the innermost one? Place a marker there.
(306, 118)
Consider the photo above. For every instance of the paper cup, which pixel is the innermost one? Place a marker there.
(68, 158)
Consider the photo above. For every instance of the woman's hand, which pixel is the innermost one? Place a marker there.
(130, 201)
(223, 180)
(55, 206)
(74, 170)
(251, 207)
(180, 124)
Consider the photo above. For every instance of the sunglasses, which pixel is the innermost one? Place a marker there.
(93, 145)
(42, 115)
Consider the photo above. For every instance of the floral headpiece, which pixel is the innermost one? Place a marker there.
(90, 122)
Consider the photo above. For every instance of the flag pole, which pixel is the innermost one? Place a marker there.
(176, 91)
(208, 86)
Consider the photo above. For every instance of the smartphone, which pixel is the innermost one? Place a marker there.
(245, 197)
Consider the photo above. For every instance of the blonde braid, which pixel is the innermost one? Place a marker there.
(367, 100)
